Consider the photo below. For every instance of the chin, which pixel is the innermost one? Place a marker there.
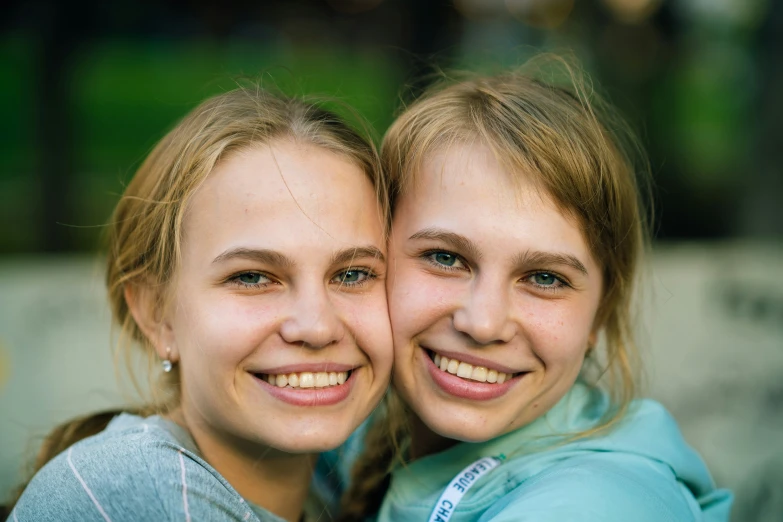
(463, 431)
(313, 443)
(324, 434)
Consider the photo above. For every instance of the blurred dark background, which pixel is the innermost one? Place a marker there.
(89, 87)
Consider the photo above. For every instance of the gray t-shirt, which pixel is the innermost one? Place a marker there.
(137, 469)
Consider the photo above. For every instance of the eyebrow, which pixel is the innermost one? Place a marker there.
(270, 257)
(349, 254)
(549, 258)
(463, 244)
(457, 241)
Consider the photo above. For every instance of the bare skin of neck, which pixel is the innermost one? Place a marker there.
(279, 482)
(424, 441)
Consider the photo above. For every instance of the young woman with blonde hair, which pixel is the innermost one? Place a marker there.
(517, 234)
(247, 257)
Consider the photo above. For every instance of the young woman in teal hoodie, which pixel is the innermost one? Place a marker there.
(518, 231)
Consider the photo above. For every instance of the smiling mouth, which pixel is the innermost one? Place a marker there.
(470, 372)
(306, 380)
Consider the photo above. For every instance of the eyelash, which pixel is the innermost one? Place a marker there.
(428, 256)
(563, 282)
(369, 276)
(236, 281)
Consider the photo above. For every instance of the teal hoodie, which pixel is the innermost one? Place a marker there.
(640, 471)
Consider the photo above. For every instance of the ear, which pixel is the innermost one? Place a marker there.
(145, 307)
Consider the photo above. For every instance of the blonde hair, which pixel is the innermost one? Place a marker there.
(145, 231)
(561, 136)
(146, 228)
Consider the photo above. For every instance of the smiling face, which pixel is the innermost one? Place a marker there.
(278, 316)
(493, 294)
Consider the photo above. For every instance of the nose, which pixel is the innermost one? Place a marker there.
(312, 320)
(485, 314)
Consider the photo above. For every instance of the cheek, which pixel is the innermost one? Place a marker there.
(417, 300)
(558, 331)
(368, 321)
(222, 330)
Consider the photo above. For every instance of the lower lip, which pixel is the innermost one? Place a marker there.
(465, 389)
(310, 396)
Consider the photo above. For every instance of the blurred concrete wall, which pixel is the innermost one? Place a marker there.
(714, 355)
(712, 338)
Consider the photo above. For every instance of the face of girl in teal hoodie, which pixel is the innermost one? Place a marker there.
(493, 295)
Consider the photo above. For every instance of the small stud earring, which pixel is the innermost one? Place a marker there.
(167, 365)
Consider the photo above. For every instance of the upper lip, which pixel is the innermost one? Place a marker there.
(473, 360)
(306, 367)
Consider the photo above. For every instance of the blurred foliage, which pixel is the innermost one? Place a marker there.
(124, 95)
(85, 95)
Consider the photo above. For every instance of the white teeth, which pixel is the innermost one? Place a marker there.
(321, 380)
(307, 379)
(468, 371)
(479, 374)
(464, 370)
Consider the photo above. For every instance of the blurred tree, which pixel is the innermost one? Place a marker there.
(761, 213)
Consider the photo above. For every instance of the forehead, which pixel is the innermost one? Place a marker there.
(465, 187)
(282, 195)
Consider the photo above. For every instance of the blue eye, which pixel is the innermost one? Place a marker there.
(545, 279)
(444, 258)
(251, 279)
(548, 281)
(352, 277)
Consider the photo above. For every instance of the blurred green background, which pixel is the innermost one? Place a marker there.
(67, 158)
(88, 88)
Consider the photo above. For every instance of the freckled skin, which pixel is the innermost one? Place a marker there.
(491, 308)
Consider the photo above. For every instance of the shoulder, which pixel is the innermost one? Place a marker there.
(598, 488)
(648, 411)
(135, 473)
(93, 478)
(642, 469)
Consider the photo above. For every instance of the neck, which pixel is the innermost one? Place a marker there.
(424, 441)
(278, 482)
